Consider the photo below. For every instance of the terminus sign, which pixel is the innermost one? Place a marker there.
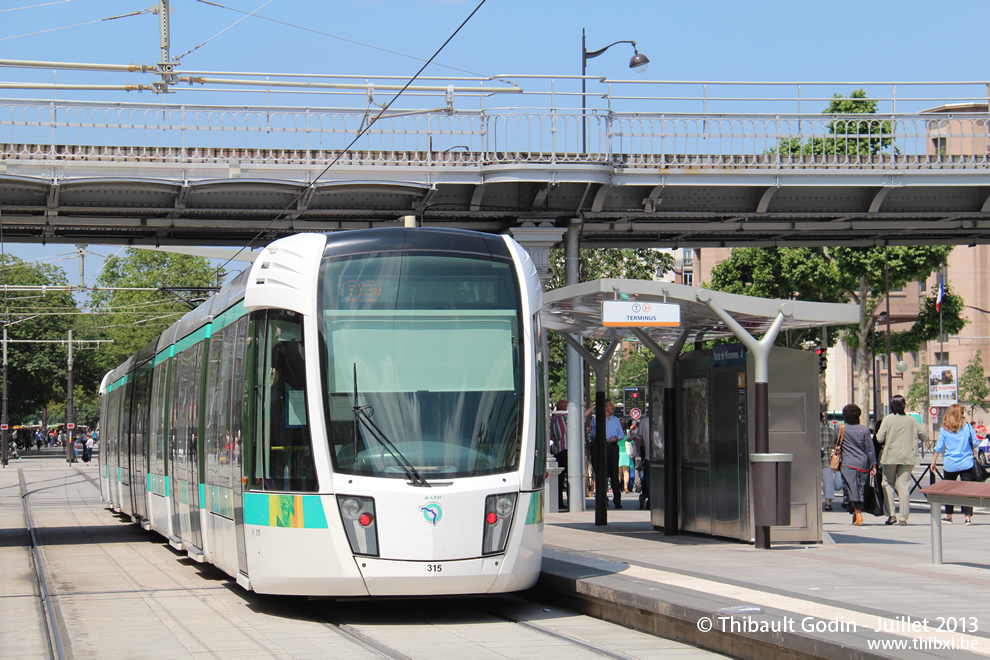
(625, 314)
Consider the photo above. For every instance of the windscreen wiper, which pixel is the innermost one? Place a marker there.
(362, 415)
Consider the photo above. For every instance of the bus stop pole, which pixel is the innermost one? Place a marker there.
(761, 385)
(671, 453)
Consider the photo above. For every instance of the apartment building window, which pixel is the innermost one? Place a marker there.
(687, 257)
(942, 358)
(689, 278)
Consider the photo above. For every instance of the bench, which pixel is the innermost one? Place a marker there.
(957, 493)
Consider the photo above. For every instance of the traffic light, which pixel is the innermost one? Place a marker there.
(822, 359)
(634, 397)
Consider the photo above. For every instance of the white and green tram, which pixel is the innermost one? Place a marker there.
(355, 415)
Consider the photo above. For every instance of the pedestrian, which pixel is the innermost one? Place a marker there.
(831, 480)
(625, 461)
(613, 433)
(859, 461)
(558, 444)
(956, 442)
(88, 448)
(900, 436)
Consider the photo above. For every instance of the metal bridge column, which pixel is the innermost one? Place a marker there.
(538, 240)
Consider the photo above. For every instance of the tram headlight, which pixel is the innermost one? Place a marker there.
(360, 522)
(498, 522)
(350, 508)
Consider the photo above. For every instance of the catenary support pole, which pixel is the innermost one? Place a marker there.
(576, 468)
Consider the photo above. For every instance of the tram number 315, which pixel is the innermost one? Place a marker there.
(434, 568)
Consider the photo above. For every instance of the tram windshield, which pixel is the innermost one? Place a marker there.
(433, 342)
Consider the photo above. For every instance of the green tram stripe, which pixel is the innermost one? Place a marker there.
(534, 515)
(192, 339)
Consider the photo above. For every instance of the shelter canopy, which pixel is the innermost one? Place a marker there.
(577, 310)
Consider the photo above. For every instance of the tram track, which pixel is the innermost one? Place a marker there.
(50, 615)
(370, 630)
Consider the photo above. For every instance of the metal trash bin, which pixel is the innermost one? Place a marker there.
(771, 489)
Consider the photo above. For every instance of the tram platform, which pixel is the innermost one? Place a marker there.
(869, 591)
(823, 600)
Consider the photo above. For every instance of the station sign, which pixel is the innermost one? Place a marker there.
(626, 314)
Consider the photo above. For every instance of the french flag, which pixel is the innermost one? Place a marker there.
(941, 292)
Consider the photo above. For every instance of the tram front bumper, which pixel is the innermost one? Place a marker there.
(384, 577)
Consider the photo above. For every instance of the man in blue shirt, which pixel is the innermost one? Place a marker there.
(613, 434)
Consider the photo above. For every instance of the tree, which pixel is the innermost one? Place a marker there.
(861, 137)
(917, 394)
(842, 274)
(973, 388)
(36, 372)
(633, 264)
(132, 319)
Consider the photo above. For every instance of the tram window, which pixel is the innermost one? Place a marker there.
(284, 457)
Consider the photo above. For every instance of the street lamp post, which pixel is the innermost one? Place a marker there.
(638, 63)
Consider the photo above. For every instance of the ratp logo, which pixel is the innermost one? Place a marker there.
(432, 513)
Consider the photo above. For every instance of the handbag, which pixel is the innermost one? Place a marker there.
(979, 471)
(835, 462)
(873, 496)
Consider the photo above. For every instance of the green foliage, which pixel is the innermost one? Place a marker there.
(917, 394)
(87, 406)
(35, 372)
(843, 274)
(633, 370)
(973, 388)
(633, 264)
(851, 136)
(134, 318)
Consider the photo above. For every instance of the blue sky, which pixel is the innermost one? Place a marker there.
(770, 40)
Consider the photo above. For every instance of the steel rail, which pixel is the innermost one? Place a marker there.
(55, 648)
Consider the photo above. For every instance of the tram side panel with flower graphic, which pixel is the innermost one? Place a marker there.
(356, 415)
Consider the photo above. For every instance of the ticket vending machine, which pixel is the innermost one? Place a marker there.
(715, 436)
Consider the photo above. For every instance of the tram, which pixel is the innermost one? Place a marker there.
(355, 415)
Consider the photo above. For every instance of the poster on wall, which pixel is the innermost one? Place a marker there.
(942, 382)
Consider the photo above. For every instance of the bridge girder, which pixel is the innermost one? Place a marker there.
(174, 204)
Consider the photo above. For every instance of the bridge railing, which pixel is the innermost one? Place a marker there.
(621, 128)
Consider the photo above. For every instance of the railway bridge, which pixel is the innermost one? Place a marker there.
(649, 164)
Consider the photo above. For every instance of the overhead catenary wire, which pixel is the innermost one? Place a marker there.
(339, 38)
(360, 133)
(243, 18)
(46, 4)
(67, 27)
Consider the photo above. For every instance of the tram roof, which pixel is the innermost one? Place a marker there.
(576, 309)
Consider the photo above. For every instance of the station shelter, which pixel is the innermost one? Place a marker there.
(734, 445)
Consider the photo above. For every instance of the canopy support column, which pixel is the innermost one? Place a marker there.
(761, 356)
(671, 450)
(575, 397)
(600, 366)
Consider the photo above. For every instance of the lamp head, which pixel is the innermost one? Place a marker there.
(639, 62)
